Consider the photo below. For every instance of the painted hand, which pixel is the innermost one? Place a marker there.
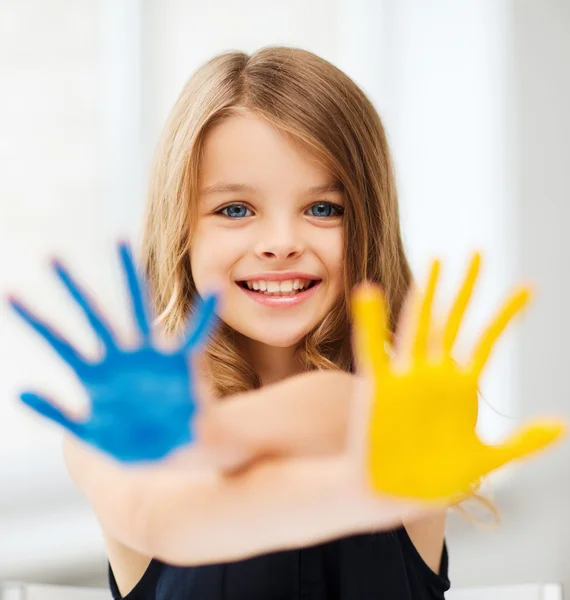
(422, 440)
(142, 400)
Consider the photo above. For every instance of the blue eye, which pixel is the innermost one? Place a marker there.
(234, 211)
(326, 209)
(319, 210)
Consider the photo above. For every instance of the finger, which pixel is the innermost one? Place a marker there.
(46, 409)
(420, 347)
(99, 325)
(203, 323)
(527, 440)
(460, 304)
(63, 348)
(137, 291)
(370, 328)
(514, 304)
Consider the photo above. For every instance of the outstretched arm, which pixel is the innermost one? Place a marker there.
(196, 517)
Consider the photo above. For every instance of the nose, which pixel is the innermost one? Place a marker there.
(280, 241)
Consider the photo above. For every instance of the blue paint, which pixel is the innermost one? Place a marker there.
(142, 399)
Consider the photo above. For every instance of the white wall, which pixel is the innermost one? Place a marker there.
(180, 35)
(49, 203)
(474, 96)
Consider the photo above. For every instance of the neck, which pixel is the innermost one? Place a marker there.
(272, 364)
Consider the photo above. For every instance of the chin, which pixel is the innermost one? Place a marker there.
(277, 339)
(286, 338)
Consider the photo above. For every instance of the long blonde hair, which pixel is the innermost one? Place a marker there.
(319, 107)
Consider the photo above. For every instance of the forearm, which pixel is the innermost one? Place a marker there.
(274, 505)
(198, 518)
(303, 415)
(113, 491)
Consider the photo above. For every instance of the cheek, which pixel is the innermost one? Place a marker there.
(332, 253)
(212, 255)
(201, 258)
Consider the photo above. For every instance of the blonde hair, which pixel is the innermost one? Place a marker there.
(318, 107)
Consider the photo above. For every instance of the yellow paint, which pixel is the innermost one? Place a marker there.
(422, 439)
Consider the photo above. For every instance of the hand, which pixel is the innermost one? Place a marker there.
(142, 400)
(422, 439)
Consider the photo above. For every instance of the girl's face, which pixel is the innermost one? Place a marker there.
(269, 236)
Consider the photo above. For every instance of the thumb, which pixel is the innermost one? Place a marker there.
(527, 440)
(46, 408)
(370, 329)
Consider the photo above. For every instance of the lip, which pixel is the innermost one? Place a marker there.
(280, 276)
(280, 301)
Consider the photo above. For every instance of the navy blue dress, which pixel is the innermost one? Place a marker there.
(374, 566)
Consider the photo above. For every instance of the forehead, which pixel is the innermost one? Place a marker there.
(248, 149)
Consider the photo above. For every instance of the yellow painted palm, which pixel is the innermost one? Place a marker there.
(422, 440)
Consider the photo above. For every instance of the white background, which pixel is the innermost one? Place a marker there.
(474, 95)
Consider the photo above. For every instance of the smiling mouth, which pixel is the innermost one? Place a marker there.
(276, 290)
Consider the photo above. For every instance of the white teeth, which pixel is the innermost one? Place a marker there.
(273, 287)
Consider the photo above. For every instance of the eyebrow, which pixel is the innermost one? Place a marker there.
(221, 188)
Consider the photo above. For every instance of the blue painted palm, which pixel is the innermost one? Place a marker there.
(142, 399)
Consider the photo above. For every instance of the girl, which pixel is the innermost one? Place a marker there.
(273, 185)
(274, 175)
